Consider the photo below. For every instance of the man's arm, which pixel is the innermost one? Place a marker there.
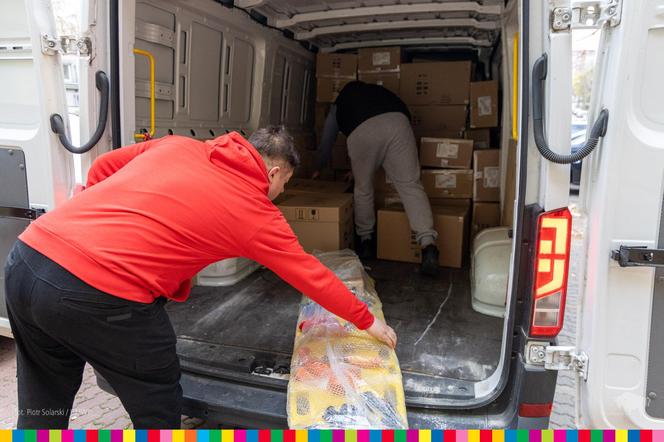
(110, 162)
(328, 137)
(276, 247)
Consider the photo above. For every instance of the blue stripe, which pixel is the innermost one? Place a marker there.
(633, 436)
(510, 435)
(252, 435)
(18, 436)
(571, 436)
(436, 435)
(313, 436)
(202, 435)
(375, 436)
(79, 435)
(141, 435)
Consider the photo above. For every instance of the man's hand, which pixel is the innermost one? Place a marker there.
(349, 176)
(383, 333)
(315, 175)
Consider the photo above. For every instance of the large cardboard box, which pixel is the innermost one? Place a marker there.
(507, 218)
(485, 215)
(327, 89)
(451, 202)
(379, 59)
(324, 237)
(308, 163)
(449, 119)
(484, 104)
(441, 83)
(397, 242)
(486, 187)
(448, 183)
(446, 152)
(481, 138)
(336, 65)
(303, 185)
(389, 80)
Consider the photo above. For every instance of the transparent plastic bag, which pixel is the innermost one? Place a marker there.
(340, 376)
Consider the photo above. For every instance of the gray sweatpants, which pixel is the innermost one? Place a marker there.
(387, 140)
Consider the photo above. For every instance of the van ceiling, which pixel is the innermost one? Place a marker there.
(334, 25)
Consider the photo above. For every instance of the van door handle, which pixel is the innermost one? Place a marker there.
(598, 130)
(58, 125)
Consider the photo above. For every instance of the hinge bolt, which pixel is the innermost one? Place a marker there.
(652, 395)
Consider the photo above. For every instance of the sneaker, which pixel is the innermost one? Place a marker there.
(430, 266)
(366, 249)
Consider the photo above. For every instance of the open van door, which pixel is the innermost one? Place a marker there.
(36, 164)
(620, 326)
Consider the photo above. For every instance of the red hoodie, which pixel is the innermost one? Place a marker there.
(155, 213)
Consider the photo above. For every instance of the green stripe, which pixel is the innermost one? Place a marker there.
(522, 436)
(277, 436)
(326, 436)
(596, 436)
(30, 436)
(399, 435)
(215, 435)
(104, 435)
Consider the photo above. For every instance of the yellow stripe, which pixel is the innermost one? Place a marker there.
(177, 436)
(128, 436)
(497, 435)
(226, 436)
(301, 435)
(473, 435)
(54, 435)
(351, 435)
(515, 88)
(425, 435)
(621, 435)
(5, 435)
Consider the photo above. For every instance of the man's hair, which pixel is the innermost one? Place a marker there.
(274, 143)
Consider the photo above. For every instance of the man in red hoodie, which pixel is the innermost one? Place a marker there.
(87, 282)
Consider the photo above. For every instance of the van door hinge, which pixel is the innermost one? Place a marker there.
(553, 357)
(66, 45)
(586, 14)
(638, 257)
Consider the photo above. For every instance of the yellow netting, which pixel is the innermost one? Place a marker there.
(340, 376)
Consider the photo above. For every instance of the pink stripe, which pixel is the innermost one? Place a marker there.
(559, 435)
(338, 436)
(412, 436)
(658, 436)
(165, 435)
(67, 436)
(461, 436)
(42, 436)
(116, 435)
(362, 435)
(240, 435)
(535, 435)
(609, 436)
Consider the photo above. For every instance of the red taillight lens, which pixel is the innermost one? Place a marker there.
(535, 410)
(554, 233)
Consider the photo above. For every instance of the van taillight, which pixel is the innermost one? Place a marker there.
(554, 231)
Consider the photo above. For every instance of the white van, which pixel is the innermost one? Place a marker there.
(224, 65)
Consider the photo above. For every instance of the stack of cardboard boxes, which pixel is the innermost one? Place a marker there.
(381, 66)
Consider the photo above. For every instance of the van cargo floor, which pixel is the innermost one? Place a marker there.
(253, 324)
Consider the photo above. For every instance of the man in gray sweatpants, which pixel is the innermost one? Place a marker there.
(377, 126)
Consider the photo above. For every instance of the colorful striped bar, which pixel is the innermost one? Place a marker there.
(332, 436)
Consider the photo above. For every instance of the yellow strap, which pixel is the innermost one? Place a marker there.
(152, 111)
(515, 88)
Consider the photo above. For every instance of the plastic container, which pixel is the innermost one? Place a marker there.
(489, 270)
(226, 273)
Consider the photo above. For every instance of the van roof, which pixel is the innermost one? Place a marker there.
(334, 25)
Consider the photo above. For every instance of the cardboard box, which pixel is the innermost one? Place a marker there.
(486, 187)
(507, 218)
(382, 184)
(327, 89)
(316, 207)
(382, 200)
(336, 65)
(324, 237)
(340, 158)
(389, 80)
(397, 242)
(302, 185)
(430, 119)
(308, 163)
(379, 59)
(481, 137)
(446, 152)
(451, 202)
(484, 104)
(485, 215)
(448, 183)
(439, 83)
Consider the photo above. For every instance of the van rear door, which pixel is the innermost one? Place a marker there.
(620, 326)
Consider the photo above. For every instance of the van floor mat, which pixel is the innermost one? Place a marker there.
(259, 316)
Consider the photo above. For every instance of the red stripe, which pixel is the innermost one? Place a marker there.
(388, 436)
(485, 435)
(584, 435)
(646, 435)
(91, 436)
(289, 435)
(449, 436)
(153, 435)
(264, 435)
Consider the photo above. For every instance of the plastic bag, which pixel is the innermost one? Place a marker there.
(340, 376)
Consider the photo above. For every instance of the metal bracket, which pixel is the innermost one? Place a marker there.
(66, 44)
(586, 14)
(557, 357)
(638, 257)
(20, 213)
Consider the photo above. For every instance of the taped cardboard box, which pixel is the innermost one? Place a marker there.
(397, 242)
(336, 65)
(379, 59)
(324, 237)
(480, 137)
(389, 80)
(448, 183)
(486, 186)
(447, 119)
(302, 185)
(485, 215)
(484, 104)
(439, 83)
(446, 152)
(327, 89)
(507, 218)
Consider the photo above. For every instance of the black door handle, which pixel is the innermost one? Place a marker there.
(58, 125)
(598, 130)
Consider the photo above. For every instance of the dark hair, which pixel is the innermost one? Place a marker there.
(275, 143)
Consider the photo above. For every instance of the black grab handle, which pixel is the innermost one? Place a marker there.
(58, 125)
(598, 130)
